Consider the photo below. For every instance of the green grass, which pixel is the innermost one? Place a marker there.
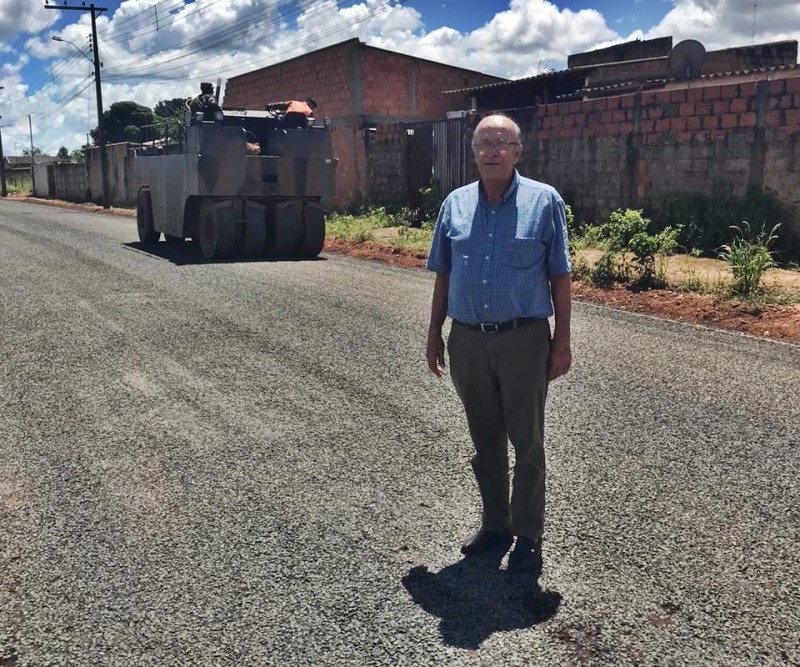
(350, 227)
(691, 283)
(19, 188)
(414, 239)
(361, 225)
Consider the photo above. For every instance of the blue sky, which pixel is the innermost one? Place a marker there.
(210, 39)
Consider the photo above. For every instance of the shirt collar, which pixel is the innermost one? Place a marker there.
(511, 189)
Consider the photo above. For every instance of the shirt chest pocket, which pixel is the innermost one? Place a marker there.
(525, 253)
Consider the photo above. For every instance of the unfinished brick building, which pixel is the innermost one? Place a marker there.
(357, 87)
(638, 128)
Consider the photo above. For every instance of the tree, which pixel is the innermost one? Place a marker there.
(122, 123)
(63, 153)
(77, 155)
(170, 108)
(37, 151)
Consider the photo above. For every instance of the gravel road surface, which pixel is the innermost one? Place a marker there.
(248, 463)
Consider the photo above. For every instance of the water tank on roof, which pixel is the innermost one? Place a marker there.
(686, 59)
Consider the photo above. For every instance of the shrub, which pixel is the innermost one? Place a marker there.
(432, 199)
(609, 269)
(580, 268)
(651, 252)
(622, 226)
(750, 256)
(627, 232)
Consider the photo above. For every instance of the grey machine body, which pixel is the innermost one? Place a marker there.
(240, 185)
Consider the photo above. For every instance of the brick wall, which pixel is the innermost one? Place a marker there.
(397, 85)
(324, 75)
(357, 87)
(717, 139)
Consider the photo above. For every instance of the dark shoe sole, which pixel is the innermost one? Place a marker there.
(525, 564)
(500, 543)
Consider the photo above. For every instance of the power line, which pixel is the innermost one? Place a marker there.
(219, 35)
(157, 69)
(59, 100)
(250, 21)
(209, 41)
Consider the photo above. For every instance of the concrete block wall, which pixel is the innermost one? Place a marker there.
(119, 181)
(636, 50)
(631, 71)
(714, 139)
(749, 57)
(70, 181)
(386, 164)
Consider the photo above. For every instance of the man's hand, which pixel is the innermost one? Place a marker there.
(434, 352)
(560, 359)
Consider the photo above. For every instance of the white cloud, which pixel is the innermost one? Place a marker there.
(153, 54)
(149, 54)
(513, 43)
(20, 16)
(721, 24)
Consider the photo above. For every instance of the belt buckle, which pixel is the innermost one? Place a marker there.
(491, 327)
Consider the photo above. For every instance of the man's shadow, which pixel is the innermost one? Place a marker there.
(475, 598)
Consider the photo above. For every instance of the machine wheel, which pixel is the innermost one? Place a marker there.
(255, 230)
(169, 238)
(284, 230)
(313, 230)
(144, 217)
(216, 238)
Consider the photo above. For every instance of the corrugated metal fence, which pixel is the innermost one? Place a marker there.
(437, 150)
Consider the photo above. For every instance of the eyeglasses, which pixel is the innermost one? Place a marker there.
(502, 147)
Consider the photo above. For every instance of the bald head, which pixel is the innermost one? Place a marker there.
(497, 123)
(497, 147)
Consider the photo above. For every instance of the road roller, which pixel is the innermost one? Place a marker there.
(239, 183)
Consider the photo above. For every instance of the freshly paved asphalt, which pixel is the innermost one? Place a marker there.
(248, 463)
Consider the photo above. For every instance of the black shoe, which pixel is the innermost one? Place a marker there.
(487, 540)
(526, 556)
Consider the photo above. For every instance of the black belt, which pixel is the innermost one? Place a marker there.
(496, 327)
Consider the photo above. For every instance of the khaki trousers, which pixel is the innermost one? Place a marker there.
(502, 381)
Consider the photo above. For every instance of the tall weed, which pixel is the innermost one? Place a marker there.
(750, 256)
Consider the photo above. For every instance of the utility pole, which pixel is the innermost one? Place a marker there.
(33, 159)
(3, 191)
(101, 132)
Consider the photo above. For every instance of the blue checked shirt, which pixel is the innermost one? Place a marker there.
(501, 256)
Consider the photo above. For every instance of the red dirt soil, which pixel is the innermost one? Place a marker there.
(777, 322)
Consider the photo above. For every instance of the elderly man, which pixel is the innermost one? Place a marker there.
(502, 268)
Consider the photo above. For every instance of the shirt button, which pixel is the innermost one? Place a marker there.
(487, 256)
(493, 212)
(484, 282)
(485, 305)
(490, 235)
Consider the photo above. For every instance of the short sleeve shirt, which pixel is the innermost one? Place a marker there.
(501, 256)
